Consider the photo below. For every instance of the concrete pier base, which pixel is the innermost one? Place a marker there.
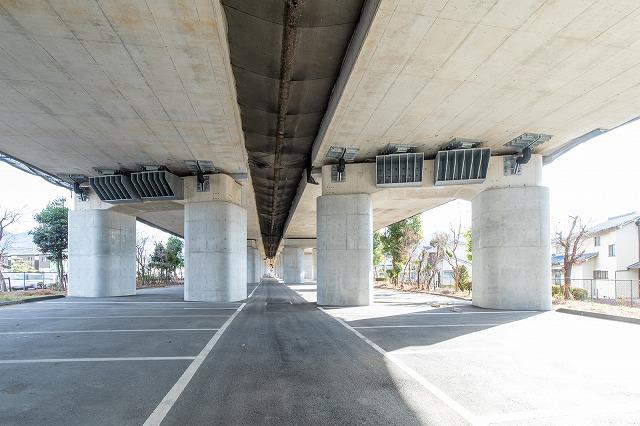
(215, 236)
(293, 264)
(512, 249)
(102, 253)
(345, 250)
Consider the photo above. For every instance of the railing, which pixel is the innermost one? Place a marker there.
(29, 280)
(617, 291)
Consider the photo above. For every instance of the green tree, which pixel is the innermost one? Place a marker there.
(378, 250)
(468, 236)
(158, 260)
(51, 234)
(399, 241)
(174, 255)
(461, 274)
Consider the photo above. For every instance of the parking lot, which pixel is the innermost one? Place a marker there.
(99, 361)
(504, 367)
(279, 359)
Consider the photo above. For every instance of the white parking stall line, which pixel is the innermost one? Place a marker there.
(47, 302)
(142, 330)
(112, 316)
(429, 386)
(438, 313)
(174, 393)
(428, 326)
(109, 308)
(134, 358)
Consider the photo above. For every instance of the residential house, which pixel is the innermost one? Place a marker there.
(21, 246)
(610, 265)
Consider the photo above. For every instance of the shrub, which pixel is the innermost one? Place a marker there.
(579, 293)
(557, 291)
(462, 274)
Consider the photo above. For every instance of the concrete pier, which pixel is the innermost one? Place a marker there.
(215, 252)
(345, 250)
(293, 264)
(512, 248)
(102, 253)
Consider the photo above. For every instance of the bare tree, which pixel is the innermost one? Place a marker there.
(432, 269)
(7, 218)
(141, 255)
(421, 266)
(440, 242)
(571, 244)
(452, 258)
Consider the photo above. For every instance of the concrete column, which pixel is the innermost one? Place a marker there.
(293, 264)
(215, 236)
(314, 264)
(251, 273)
(345, 250)
(257, 266)
(512, 248)
(102, 253)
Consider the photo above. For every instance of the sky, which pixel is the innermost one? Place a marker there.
(595, 180)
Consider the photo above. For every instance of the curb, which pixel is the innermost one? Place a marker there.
(599, 315)
(33, 299)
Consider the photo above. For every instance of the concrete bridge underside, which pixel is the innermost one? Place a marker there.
(264, 90)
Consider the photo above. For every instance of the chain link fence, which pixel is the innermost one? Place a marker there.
(618, 291)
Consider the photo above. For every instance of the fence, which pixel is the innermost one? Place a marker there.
(29, 280)
(609, 291)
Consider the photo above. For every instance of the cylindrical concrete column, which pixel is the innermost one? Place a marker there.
(314, 264)
(512, 248)
(102, 253)
(215, 235)
(257, 266)
(345, 250)
(251, 273)
(293, 264)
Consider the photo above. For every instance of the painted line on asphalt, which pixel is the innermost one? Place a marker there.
(124, 303)
(133, 358)
(439, 350)
(108, 308)
(213, 309)
(142, 330)
(427, 326)
(254, 290)
(438, 313)
(113, 316)
(436, 391)
(163, 408)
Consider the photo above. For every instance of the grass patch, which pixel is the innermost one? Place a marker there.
(17, 295)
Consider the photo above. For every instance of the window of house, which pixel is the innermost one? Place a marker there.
(600, 275)
(596, 241)
(612, 250)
